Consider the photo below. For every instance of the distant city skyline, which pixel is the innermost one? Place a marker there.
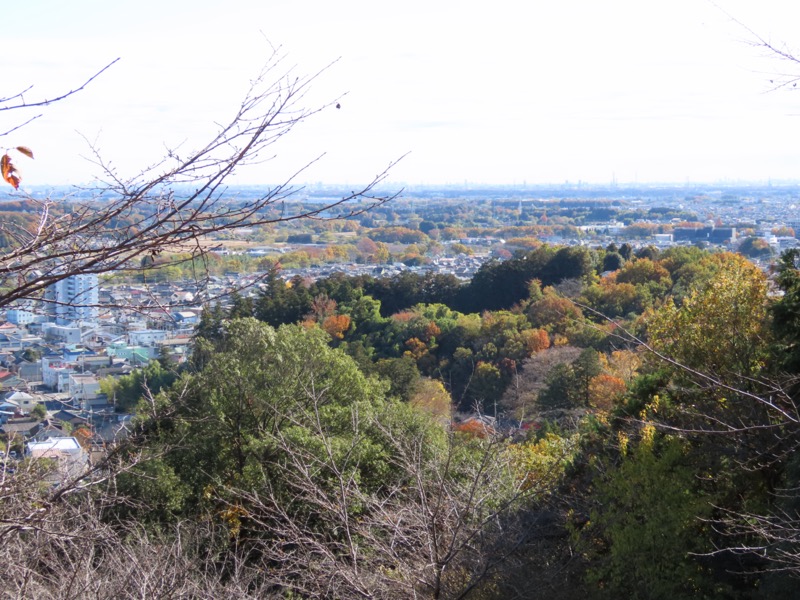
(533, 93)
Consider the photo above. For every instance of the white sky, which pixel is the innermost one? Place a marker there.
(479, 92)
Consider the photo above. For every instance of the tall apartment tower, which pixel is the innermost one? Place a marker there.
(74, 298)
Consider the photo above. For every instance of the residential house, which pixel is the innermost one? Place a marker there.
(10, 329)
(71, 460)
(135, 355)
(62, 380)
(66, 334)
(24, 427)
(51, 428)
(8, 410)
(23, 400)
(83, 387)
(177, 349)
(52, 365)
(71, 417)
(186, 317)
(10, 381)
(29, 371)
(10, 341)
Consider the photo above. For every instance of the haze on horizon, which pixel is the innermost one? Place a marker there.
(534, 93)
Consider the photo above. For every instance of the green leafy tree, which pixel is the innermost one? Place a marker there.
(264, 387)
(584, 369)
(39, 412)
(129, 390)
(559, 390)
(279, 303)
(613, 261)
(571, 262)
(486, 387)
(402, 374)
(32, 354)
(284, 444)
(754, 247)
(209, 326)
(721, 328)
(648, 523)
(241, 306)
(786, 312)
(426, 227)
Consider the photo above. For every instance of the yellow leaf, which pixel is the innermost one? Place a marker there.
(25, 150)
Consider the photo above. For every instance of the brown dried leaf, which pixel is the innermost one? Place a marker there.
(25, 150)
(8, 171)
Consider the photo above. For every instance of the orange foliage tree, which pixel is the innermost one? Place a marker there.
(536, 340)
(474, 427)
(604, 390)
(416, 348)
(642, 271)
(553, 312)
(336, 326)
(84, 437)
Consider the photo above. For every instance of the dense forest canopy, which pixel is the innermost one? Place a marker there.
(625, 432)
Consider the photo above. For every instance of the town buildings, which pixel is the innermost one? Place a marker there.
(74, 298)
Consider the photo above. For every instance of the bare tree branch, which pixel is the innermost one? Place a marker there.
(176, 203)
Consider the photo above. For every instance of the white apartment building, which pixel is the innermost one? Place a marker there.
(74, 298)
(19, 317)
(146, 337)
(83, 386)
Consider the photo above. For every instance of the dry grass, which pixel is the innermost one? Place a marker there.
(206, 243)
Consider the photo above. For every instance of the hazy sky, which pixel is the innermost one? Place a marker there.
(480, 92)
